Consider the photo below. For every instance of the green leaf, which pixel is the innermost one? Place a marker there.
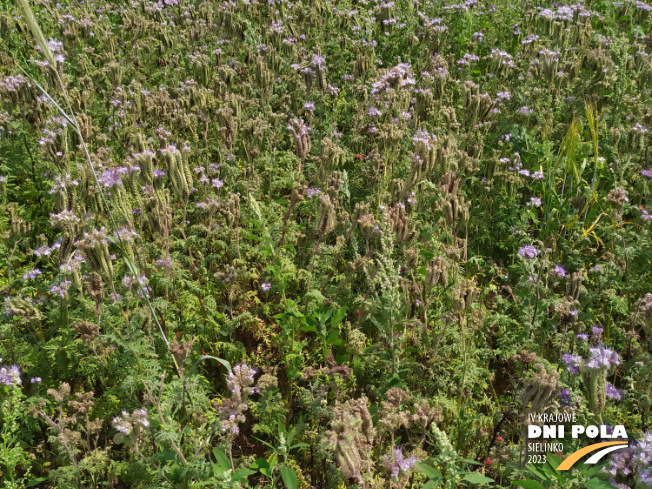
(426, 254)
(222, 460)
(209, 357)
(263, 441)
(332, 336)
(289, 478)
(553, 461)
(469, 461)
(590, 470)
(598, 484)
(337, 318)
(537, 472)
(430, 472)
(475, 478)
(298, 445)
(431, 484)
(528, 484)
(166, 456)
(242, 474)
(34, 482)
(263, 466)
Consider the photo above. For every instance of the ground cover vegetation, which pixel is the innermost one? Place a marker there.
(322, 243)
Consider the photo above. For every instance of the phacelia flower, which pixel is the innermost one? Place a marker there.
(573, 362)
(612, 392)
(534, 202)
(528, 251)
(398, 463)
(559, 271)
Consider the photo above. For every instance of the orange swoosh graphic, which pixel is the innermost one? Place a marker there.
(570, 461)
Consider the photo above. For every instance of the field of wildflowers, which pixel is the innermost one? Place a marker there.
(322, 244)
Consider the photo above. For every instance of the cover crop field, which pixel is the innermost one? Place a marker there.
(328, 244)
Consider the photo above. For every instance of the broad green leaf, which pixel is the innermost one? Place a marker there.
(337, 318)
(430, 472)
(34, 482)
(222, 460)
(475, 478)
(242, 474)
(598, 484)
(289, 478)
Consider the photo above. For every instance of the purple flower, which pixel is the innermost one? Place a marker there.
(534, 201)
(374, 112)
(565, 398)
(559, 271)
(612, 392)
(35, 380)
(311, 192)
(596, 268)
(528, 251)
(398, 463)
(110, 177)
(624, 461)
(10, 375)
(309, 106)
(32, 274)
(61, 290)
(126, 423)
(164, 262)
(582, 336)
(61, 183)
(597, 331)
(318, 60)
(239, 380)
(266, 286)
(573, 362)
(217, 183)
(158, 173)
(602, 357)
(126, 234)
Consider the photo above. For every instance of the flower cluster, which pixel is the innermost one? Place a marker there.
(397, 464)
(131, 423)
(10, 375)
(528, 251)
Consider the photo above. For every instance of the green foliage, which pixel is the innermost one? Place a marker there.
(321, 244)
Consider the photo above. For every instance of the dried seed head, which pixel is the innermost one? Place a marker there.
(326, 221)
(86, 330)
(180, 350)
(60, 395)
